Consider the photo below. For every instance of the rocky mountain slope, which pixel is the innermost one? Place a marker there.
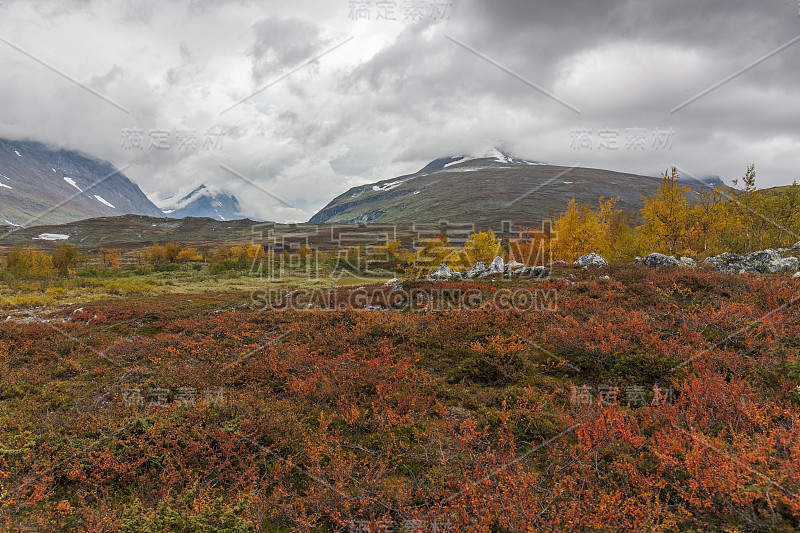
(489, 188)
(45, 185)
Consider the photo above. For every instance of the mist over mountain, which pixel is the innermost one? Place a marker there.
(47, 185)
(205, 202)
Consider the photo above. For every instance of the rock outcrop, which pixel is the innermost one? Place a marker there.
(592, 259)
(761, 262)
(496, 267)
(659, 260)
(443, 273)
(481, 270)
(475, 270)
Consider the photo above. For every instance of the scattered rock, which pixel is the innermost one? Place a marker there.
(497, 267)
(395, 283)
(592, 259)
(659, 260)
(761, 262)
(687, 261)
(514, 265)
(605, 277)
(796, 247)
(534, 272)
(444, 272)
(784, 264)
(727, 262)
(796, 275)
(475, 270)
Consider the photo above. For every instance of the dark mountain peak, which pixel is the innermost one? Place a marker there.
(205, 201)
(708, 181)
(42, 184)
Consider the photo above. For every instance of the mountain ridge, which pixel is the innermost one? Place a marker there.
(47, 184)
(492, 187)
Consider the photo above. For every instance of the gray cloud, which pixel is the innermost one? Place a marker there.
(281, 43)
(400, 93)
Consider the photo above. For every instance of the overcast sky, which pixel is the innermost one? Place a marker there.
(596, 83)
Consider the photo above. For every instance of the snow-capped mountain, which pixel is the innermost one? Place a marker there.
(493, 156)
(204, 202)
(490, 187)
(46, 185)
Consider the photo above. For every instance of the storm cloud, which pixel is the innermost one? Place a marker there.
(308, 98)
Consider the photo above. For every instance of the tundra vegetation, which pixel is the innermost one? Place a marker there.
(147, 393)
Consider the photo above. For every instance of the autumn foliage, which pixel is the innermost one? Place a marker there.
(468, 418)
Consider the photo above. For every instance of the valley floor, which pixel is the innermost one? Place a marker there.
(646, 400)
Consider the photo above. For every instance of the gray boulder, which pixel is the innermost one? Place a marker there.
(796, 246)
(497, 267)
(796, 275)
(475, 270)
(784, 264)
(761, 262)
(727, 262)
(687, 261)
(659, 260)
(443, 273)
(513, 265)
(394, 283)
(534, 272)
(592, 259)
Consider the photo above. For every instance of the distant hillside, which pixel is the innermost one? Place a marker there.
(490, 188)
(205, 202)
(132, 231)
(45, 185)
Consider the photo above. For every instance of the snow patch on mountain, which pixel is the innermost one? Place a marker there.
(5, 186)
(52, 237)
(389, 186)
(498, 156)
(72, 182)
(458, 161)
(104, 201)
